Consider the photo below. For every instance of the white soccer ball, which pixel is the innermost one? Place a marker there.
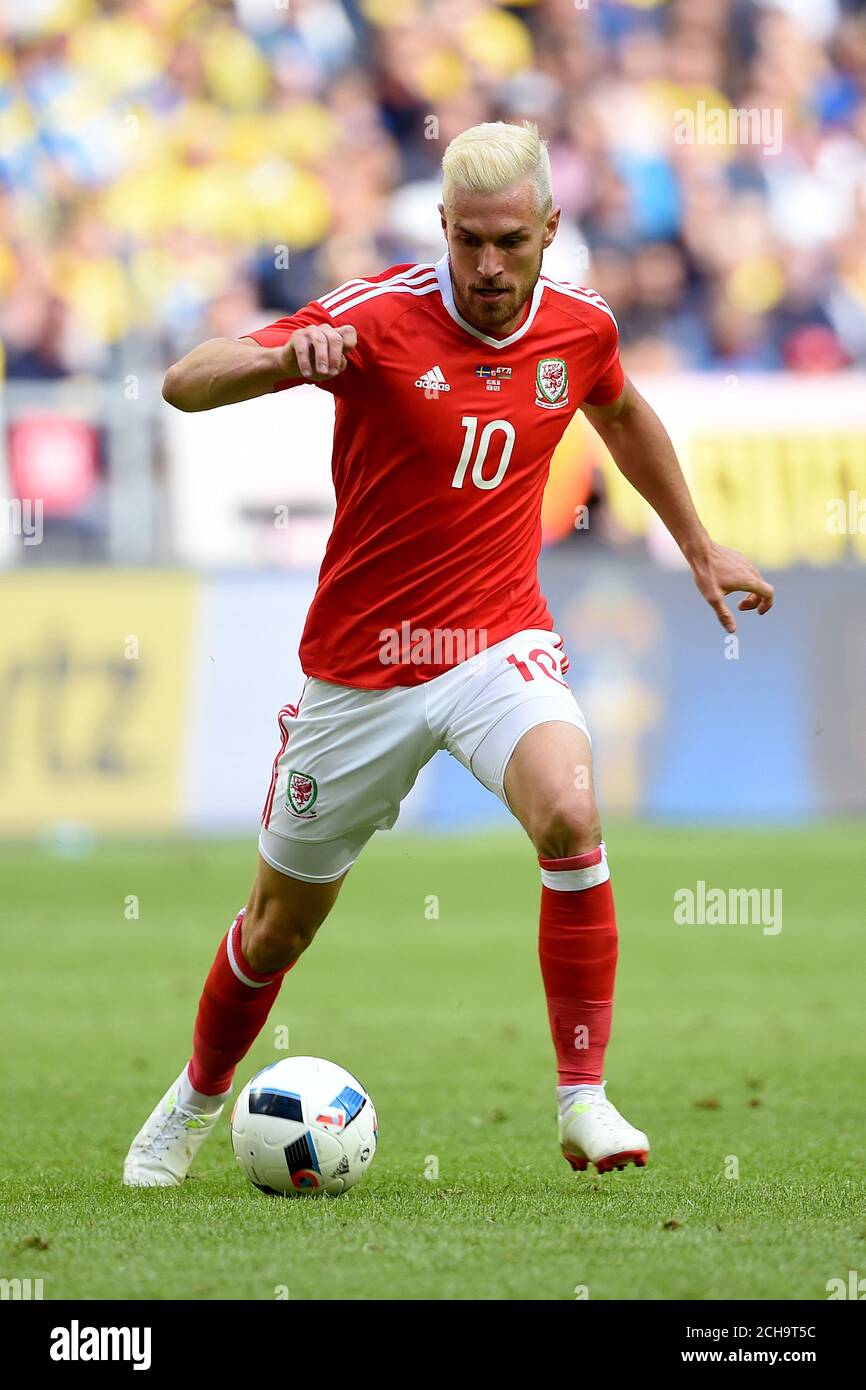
(304, 1126)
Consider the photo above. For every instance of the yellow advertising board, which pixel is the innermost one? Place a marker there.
(783, 498)
(95, 676)
(777, 466)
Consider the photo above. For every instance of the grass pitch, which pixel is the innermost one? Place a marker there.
(741, 1053)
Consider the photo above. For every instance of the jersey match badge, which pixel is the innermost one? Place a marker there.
(551, 382)
(301, 793)
(494, 376)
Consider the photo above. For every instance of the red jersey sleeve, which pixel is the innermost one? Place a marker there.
(278, 333)
(610, 380)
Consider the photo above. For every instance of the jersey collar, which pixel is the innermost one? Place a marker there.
(446, 289)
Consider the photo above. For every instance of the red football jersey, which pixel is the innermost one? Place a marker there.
(442, 443)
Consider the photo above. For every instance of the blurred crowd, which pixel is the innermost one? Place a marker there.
(172, 170)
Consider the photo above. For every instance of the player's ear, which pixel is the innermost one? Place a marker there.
(443, 219)
(550, 227)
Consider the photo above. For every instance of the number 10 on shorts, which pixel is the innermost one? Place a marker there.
(543, 659)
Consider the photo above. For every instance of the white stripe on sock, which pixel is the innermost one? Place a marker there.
(233, 960)
(573, 880)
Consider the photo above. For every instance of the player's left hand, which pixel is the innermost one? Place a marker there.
(719, 571)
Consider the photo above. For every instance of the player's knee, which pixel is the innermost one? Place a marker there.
(566, 826)
(275, 934)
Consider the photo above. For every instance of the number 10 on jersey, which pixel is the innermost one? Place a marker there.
(470, 425)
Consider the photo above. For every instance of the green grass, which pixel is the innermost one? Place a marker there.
(726, 1042)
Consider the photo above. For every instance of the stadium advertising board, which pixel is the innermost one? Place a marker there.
(95, 679)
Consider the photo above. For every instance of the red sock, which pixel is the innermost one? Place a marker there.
(232, 1011)
(577, 947)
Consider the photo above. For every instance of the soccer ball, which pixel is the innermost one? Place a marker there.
(304, 1126)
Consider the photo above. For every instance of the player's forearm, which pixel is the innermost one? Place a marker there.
(223, 371)
(642, 450)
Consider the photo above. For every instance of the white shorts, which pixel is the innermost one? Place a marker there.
(348, 757)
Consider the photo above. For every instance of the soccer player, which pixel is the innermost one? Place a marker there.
(453, 383)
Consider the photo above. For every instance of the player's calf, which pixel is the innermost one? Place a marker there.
(262, 944)
(549, 787)
(282, 917)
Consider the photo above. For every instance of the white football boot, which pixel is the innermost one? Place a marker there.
(591, 1130)
(170, 1138)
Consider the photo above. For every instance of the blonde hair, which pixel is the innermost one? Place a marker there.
(491, 157)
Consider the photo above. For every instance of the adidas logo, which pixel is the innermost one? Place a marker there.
(433, 381)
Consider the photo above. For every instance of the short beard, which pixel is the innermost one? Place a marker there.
(503, 312)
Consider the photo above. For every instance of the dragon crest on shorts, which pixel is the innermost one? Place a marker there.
(301, 793)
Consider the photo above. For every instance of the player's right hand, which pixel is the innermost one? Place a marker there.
(319, 352)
